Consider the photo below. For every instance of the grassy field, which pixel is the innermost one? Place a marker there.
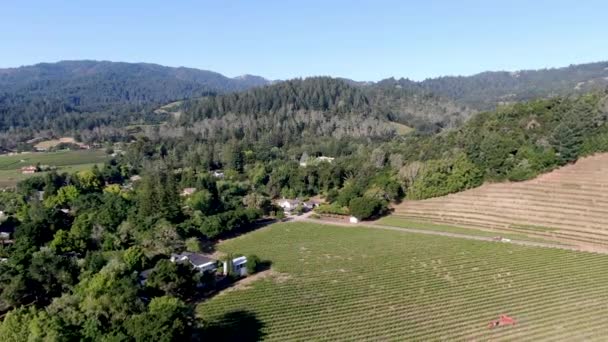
(355, 283)
(395, 221)
(65, 161)
(401, 128)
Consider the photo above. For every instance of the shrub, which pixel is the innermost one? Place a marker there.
(253, 263)
(365, 207)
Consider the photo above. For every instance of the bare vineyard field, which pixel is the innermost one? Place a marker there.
(569, 205)
(355, 283)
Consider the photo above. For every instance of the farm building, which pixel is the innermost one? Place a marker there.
(29, 169)
(188, 191)
(199, 261)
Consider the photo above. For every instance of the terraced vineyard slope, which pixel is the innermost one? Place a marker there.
(569, 204)
(331, 283)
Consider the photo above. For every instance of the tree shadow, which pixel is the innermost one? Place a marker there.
(208, 246)
(242, 326)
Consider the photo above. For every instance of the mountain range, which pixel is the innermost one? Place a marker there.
(83, 95)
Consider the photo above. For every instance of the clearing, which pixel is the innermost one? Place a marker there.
(569, 204)
(401, 128)
(65, 161)
(357, 283)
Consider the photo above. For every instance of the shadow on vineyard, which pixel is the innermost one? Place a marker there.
(242, 326)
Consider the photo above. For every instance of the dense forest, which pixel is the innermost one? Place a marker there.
(83, 95)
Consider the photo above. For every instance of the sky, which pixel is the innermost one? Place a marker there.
(361, 40)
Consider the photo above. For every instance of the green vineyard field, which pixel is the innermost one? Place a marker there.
(354, 283)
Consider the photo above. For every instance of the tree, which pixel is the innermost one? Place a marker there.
(16, 325)
(193, 244)
(167, 319)
(135, 258)
(202, 200)
(253, 263)
(89, 180)
(51, 274)
(65, 196)
(176, 279)
(567, 141)
(364, 207)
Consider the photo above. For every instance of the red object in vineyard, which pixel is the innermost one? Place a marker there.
(502, 321)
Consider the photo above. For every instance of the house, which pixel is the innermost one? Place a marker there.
(239, 265)
(29, 169)
(188, 191)
(144, 275)
(311, 204)
(218, 174)
(325, 159)
(289, 204)
(6, 230)
(199, 261)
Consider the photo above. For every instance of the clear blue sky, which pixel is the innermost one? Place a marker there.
(363, 40)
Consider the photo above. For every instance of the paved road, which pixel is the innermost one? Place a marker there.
(305, 218)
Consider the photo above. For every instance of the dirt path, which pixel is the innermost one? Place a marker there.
(456, 235)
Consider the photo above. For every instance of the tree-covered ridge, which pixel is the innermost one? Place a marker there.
(286, 112)
(57, 95)
(485, 90)
(515, 143)
(418, 108)
(314, 94)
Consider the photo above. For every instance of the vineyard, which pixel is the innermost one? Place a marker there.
(569, 204)
(356, 283)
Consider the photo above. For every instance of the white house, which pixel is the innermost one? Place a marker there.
(289, 204)
(199, 261)
(239, 266)
(325, 159)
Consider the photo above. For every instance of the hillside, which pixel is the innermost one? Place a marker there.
(287, 111)
(568, 204)
(485, 90)
(52, 95)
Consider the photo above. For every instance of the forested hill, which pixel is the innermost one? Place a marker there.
(50, 95)
(485, 90)
(286, 111)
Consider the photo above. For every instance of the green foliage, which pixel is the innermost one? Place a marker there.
(167, 319)
(64, 197)
(134, 258)
(442, 177)
(333, 208)
(15, 326)
(253, 263)
(175, 279)
(364, 207)
(193, 244)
